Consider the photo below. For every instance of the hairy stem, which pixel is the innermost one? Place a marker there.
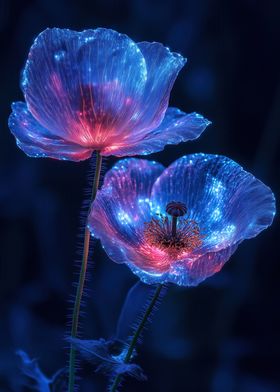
(82, 276)
(137, 334)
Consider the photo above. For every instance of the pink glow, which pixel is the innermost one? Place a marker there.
(99, 90)
(56, 84)
(99, 124)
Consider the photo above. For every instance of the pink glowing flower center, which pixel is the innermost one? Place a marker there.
(100, 116)
(175, 237)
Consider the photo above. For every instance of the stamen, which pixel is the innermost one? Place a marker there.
(174, 235)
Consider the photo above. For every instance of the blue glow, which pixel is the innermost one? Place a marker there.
(99, 352)
(228, 204)
(123, 217)
(99, 90)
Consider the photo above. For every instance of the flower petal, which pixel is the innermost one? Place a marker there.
(163, 67)
(122, 207)
(228, 203)
(37, 141)
(206, 265)
(176, 127)
(84, 86)
(187, 272)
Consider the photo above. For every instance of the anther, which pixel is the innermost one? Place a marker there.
(178, 236)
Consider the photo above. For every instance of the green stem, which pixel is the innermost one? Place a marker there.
(82, 276)
(136, 335)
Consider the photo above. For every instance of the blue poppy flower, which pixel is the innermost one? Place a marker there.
(99, 90)
(179, 224)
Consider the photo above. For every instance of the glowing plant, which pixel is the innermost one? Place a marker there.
(179, 224)
(220, 205)
(97, 90)
(36, 379)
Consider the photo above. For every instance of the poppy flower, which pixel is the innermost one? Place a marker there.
(179, 224)
(99, 90)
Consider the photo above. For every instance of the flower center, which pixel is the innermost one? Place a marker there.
(174, 234)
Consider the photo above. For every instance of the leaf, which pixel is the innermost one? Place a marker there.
(108, 355)
(40, 382)
(30, 368)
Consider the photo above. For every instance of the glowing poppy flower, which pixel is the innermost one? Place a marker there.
(179, 224)
(99, 90)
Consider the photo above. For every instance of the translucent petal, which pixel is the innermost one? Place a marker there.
(163, 67)
(228, 203)
(176, 127)
(84, 86)
(206, 265)
(122, 207)
(37, 141)
(187, 272)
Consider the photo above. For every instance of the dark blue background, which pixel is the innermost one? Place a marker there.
(220, 336)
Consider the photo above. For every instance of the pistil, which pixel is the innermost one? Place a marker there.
(173, 235)
(174, 226)
(175, 209)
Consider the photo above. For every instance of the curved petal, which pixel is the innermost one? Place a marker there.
(228, 203)
(37, 141)
(187, 273)
(122, 207)
(176, 127)
(163, 67)
(84, 86)
(206, 265)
